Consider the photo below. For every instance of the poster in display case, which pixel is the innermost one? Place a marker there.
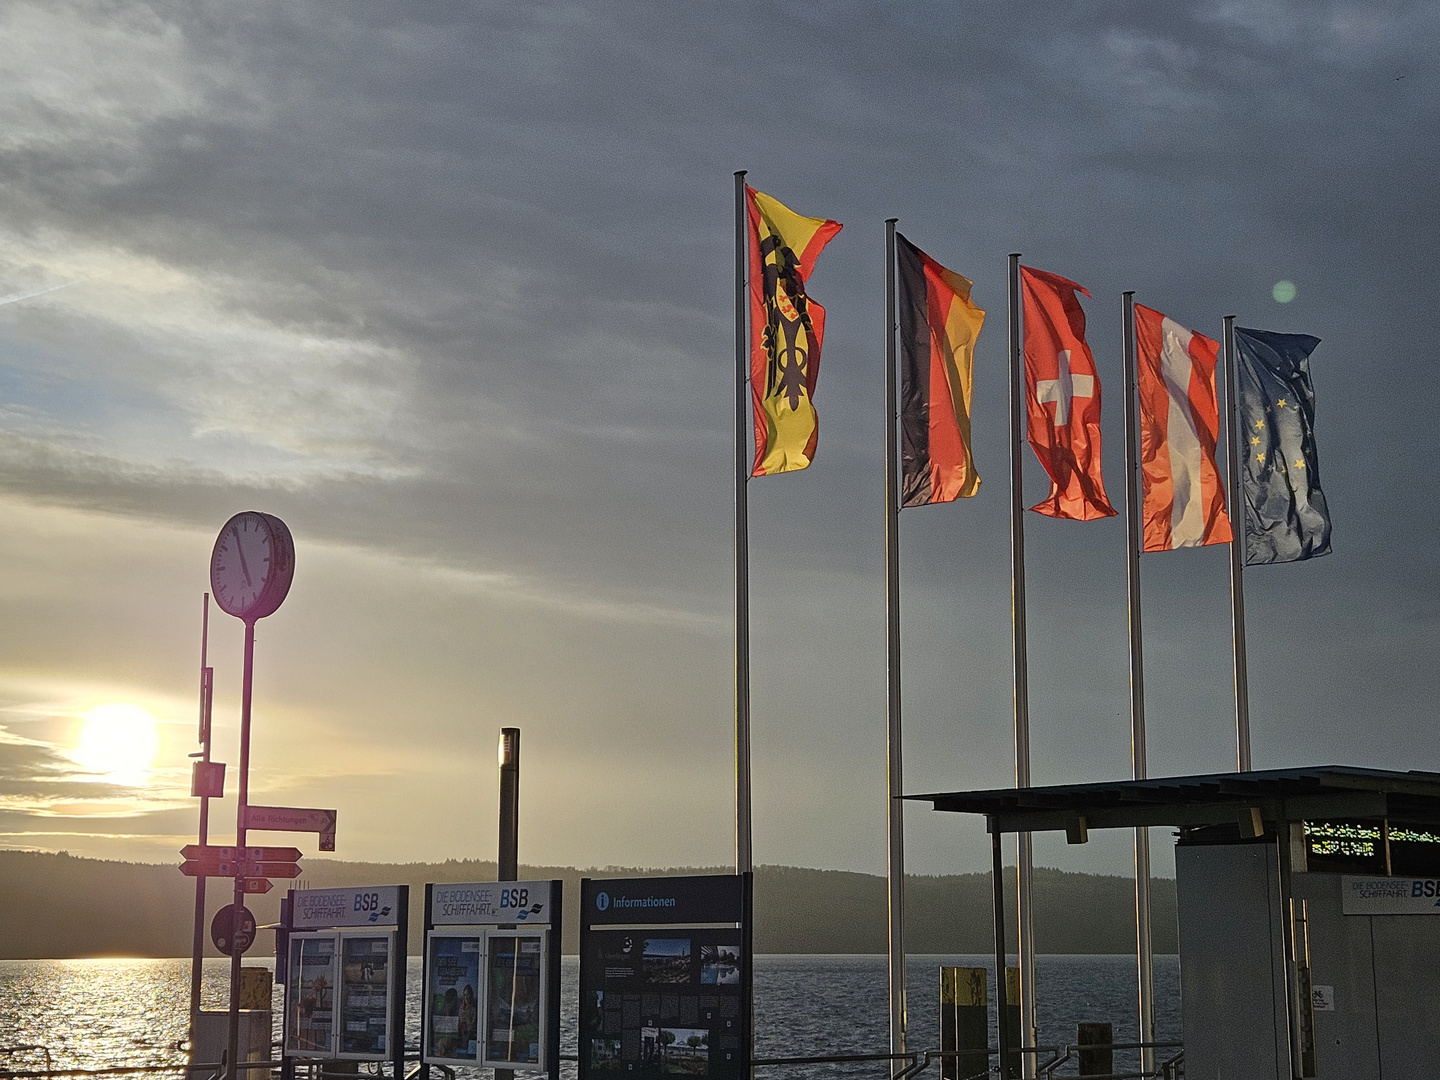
(310, 995)
(514, 998)
(452, 998)
(365, 994)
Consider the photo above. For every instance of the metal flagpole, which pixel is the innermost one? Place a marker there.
(1024, 856)
(1237, 553)
(203, 832)
(1143, 951)
(895, 873)
(744, 860)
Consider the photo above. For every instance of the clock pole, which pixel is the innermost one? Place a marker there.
(239, 905)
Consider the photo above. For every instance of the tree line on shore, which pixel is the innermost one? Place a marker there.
(60, 906)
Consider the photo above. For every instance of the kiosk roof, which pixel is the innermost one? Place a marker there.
(1318, 793)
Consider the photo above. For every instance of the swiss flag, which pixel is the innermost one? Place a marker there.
(1063, 395)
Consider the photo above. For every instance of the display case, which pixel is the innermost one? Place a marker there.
(339, 995)
(492, 976)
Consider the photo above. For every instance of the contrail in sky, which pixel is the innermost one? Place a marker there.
(15, 297)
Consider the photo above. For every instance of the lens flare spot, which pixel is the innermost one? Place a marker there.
(1283, 292)
(118, 743)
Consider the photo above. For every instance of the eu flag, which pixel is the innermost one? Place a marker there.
(1286, 518)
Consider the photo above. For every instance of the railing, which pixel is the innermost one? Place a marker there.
(916, 1062)
(1173, 1068)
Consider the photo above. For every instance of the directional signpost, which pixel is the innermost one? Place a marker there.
(293, 819)
(255, 864)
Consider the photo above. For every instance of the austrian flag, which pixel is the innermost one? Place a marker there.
(1184, 503)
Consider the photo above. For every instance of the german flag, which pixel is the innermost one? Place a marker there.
(938, 327)
(786, 328)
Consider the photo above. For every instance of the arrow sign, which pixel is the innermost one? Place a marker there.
(293, 819)
(228, 854)
(258, 885)
(272, 869)
(209, 867)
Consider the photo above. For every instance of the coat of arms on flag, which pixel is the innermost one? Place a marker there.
(786, 329)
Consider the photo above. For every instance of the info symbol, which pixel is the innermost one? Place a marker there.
(602, 901)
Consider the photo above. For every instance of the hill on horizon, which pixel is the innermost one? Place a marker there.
(60, 906)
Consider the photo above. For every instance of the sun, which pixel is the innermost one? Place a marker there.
(118, 743)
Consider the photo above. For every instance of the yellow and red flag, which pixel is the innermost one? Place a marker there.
(786, 328)
(938, 327)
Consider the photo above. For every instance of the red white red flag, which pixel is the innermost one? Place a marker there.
(1184, 502)
(1063, 397)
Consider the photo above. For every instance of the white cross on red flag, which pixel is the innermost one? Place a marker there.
(1063, 396)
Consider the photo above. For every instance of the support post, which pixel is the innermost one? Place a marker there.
(895, 870)
(509, 849)
(242, 804)
(197, 962)
(1144, 955)
(744, 856)
(1024, 856)
(1005, 1039)
(508, 857)
(1237, 552)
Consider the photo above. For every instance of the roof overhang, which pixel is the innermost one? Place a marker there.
(1320, 793)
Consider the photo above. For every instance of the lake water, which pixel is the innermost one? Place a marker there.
(94, 1013)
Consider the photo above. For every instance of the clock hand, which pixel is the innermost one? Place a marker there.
(241, 549)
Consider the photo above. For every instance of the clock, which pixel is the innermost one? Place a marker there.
(252, 565)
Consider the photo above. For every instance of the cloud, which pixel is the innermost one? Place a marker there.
(449, 289)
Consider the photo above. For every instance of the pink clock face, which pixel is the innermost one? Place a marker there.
(240, 565)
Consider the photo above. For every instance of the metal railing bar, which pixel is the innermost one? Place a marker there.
(129, 1070)
(827, 1059)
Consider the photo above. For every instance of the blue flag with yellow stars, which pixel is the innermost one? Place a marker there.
(1286, 518)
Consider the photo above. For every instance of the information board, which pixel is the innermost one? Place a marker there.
(665, 977)
(492, 975)
(345, 973)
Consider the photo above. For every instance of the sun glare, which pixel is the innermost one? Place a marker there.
(118, 742)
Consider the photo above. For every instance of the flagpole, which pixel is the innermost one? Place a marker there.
(895, 871)
(1144, 956)
(1237, 554)
(1024, 855)
(744, 861)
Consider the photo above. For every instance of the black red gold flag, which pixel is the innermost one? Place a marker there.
(938, 327)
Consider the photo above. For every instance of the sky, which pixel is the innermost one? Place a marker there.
(449, 288)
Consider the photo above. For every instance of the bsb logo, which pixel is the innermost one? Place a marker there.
(371, 902)
(520, 899)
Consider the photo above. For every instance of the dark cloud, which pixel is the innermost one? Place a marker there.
(466, 274)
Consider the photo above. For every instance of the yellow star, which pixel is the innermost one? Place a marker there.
(1259, 425)
(1299, 463)
(1280, 404)
(1260, 458)
(1255, 440)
